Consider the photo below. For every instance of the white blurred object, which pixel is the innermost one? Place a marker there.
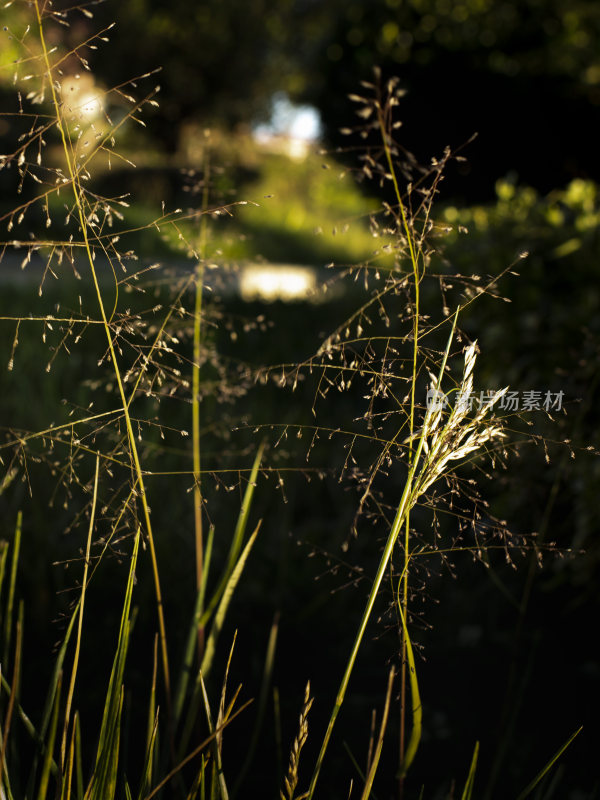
(91, 105)
(277, 282)
(291, 130)
(82, 101)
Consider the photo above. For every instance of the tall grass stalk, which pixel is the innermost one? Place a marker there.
(197, 355)
(408, 499)
(382, 729)
(8, 620)
(417, 711)
(13, 693)
(60, 720)
(80, 617)
(470, 783)
(139, 483)
(385, 128)
(547, 767)
(262, 705)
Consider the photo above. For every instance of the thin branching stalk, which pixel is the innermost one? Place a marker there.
(135, 461)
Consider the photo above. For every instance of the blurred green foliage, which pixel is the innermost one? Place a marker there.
(548, 335)
(525, 74)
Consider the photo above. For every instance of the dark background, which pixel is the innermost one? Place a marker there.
(525, 75)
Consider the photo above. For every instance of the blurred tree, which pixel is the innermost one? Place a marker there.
(222, 61)
(525, 74)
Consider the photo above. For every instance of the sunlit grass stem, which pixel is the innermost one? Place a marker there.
(135, 461)
(196, 444)
(395, 531)
(84, 581)
(385, 133)
(409, 497)
(382, 728)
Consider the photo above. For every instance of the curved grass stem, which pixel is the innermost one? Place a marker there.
(137, 473)
(406, 501)
(199, 286)
(414, 260)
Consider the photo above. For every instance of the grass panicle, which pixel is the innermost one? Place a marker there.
(291, 779)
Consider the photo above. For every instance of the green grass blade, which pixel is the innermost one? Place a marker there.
(468, 790)
(212, 640)
(115, 683)
(383, 564)
(199, 782)
(531, 786)
(5, 784)
(27, 723)
(262, 702)
(218, 777)
(377, 755)
(242, 523)
(45, 776)
(407, 500)
(11, 589)
(103, 779)
(84, 584)
(152, 729)
(50, 698)
(357, 767)
(13, 692)
(192, 638)
(110, 786)
(220, 600)
(238, 538)
(4, 546)
(78, 758)
(195, 752)
(417, 708)
(67, 776)
(58, 667)
(219, 619)
(206, 569)
(71, 763)
(149, 760)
